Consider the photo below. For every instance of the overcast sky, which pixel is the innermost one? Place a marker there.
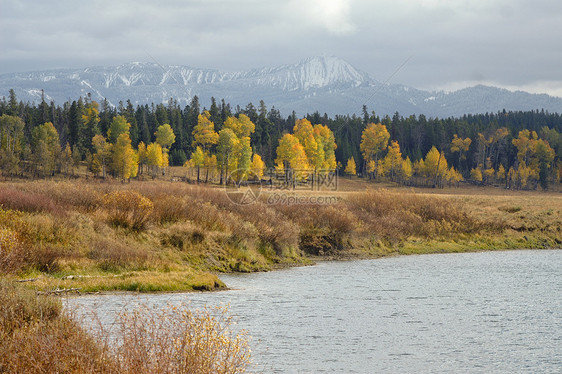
(515, 44)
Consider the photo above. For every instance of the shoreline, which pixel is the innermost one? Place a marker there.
(64, 236)
(315, 260)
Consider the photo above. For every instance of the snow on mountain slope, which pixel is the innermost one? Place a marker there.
(325, 84)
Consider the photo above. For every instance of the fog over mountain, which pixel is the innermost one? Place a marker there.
(325, 84)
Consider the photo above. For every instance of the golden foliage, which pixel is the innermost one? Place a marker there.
(204, 132)
(350, 167)
(124, 158)
(179, 340)
(165, 136)
(258, 166)
(37, 337)
(127, 209)
(476, 174)
(374, 140)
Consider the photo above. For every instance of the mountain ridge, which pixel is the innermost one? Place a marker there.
(326, 84)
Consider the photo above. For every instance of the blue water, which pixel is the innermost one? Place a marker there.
(486, 312)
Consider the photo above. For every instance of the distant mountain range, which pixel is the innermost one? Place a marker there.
(325, 84)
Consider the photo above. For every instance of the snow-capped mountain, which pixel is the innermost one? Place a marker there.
(325, 84)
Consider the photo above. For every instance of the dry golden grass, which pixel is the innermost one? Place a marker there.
(136, 281)
(153, 228)
(37, 337)
(178, 340)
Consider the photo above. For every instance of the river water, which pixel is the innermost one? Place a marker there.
(488, 312)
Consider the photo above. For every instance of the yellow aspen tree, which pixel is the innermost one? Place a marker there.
(210, 165)
(488, 175)
(243, 158)
(419, 168)
(350, 167)
(165, 136)
(327, 144)
(380, 168)
(476, 174)
(204, 132)
(124, 158)
(374, 140)
(258, 166)
(198, 160)
(118, 126)
(393, 161)
(291, 154)
(66, 159)
(89, 124)
(461, 146)
(525, 145)
(225, 150)
(102, 155)
(241, 126)
(407, 169)
(500, 173)
(304, 132)
(453, 176)
(154, 158)
(143, 156)
(435, 166)
(524, 176)
(247, 127)
(46, 147)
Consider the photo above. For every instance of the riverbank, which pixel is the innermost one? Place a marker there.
(38, 336)
(163, 236)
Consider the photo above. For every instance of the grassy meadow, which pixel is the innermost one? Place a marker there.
(171, 236)
(90, 236)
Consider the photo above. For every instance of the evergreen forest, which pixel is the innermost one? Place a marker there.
(518, 150)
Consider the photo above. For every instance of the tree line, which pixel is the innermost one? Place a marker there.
(518, 149)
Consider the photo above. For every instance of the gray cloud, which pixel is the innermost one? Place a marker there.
(510, 43)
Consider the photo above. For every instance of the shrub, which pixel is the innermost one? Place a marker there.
(510, 209)
(128, 209)
(272, 227)
(11, 198)
(19, 307)
(396, 216)
(44, 257)
(12, 252)
(35, 337)
(168, 209)
(178, 340)
(111, 255)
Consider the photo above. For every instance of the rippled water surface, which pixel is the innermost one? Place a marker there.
(484, 312)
